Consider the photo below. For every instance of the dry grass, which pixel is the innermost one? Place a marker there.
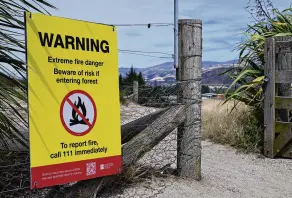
(238, 128)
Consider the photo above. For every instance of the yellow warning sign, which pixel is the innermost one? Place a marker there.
(73, 98)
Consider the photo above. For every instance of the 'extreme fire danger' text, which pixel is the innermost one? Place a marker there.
(84, 76)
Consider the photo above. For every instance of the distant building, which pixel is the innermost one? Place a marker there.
(209, 96)
(213, 96)
(220, 97)
(169, 79)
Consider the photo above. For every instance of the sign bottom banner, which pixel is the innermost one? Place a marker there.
(58, 174)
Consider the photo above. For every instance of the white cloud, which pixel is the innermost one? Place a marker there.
(222, 22)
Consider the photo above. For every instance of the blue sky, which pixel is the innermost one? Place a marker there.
(223, 21)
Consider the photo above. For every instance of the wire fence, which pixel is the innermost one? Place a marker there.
(149, 125)
(152, 122)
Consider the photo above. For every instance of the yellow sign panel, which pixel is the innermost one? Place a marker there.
(73, 97)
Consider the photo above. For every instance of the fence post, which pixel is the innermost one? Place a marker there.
(269, 95)
(135, 91)
(189, 75)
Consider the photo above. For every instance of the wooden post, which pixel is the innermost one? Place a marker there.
(135, 91)
(269, 108)
(189, 76)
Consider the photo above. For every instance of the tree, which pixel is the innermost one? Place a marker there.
(205, 89)
(12, 64)
(121, 80)
(140, 79)
(131, 76)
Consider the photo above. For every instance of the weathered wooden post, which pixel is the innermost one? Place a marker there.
(269, 94)
(189, 77)
(136, 91)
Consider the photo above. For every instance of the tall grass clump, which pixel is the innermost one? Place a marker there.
(238, 128)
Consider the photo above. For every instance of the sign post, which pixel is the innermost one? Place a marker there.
(73, 100)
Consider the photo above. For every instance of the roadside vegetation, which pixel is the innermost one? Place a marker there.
(13, 83)
(238, 128)
(269, 22)
(241, 124)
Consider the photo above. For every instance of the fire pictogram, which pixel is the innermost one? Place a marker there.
(78, 113)
(76, 119)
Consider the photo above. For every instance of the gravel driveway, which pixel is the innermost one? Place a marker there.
(226, 173)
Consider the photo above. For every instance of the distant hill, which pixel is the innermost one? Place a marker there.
(165, 73)
(212, 63)
(212, 77)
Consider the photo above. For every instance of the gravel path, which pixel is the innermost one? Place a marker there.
(226, 173)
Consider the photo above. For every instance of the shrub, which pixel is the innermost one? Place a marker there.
(247, 81)
(13, 71)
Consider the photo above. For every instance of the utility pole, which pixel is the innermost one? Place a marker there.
(175, 34)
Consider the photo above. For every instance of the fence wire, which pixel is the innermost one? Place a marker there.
(149, 141)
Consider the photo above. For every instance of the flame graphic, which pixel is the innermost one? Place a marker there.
(75, 120)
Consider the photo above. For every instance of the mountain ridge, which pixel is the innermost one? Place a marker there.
(165, 73)
(170, 64)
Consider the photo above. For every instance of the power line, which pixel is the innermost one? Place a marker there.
(139, 54)
(145, 24)
(146, 52)
(163, 57)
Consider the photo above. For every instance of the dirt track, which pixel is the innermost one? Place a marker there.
(229, 174)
